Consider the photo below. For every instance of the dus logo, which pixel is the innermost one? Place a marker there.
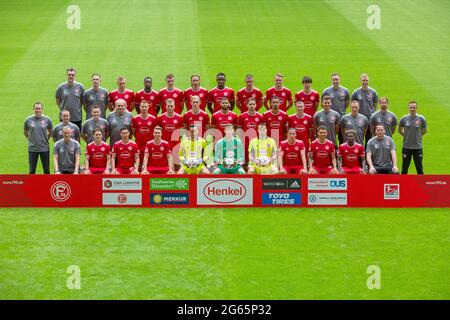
(60, 191)
(338, 184)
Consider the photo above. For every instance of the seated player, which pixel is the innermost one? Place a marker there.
(292, 157)
(351, 157)
(380, 153)
(157, 155)
(98, 157)
(191, 153)
(262, 153)
(229, 153)
(125, 155)
(322, 159)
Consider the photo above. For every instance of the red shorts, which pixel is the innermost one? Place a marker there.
(141, 158)
(157, 170)
(323, 170)
(95, 170)
(354, 170)
(125, 170)
(293, 169)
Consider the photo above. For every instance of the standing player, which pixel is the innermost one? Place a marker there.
(196, 116)
(383, 117)
(117, 120)
(223, 117)
(308, 96)
(171, 92)
(57, 132)
(303, 124)
(356, 122)
(221, 91)
(69, 96)
(262, 153)
(95, 122)
(37, 129)
(171, 123)
(276, 120)
(283, 94)
(98, 157)
(121, 93)
(351, 157)
(229, 153)
(292, 157)
(380, 153)
(149, 95)
(195, 90)
(191, 153)
(328, 118)
(95, 96)
(249, 92)
(66, 154)
(142, 129)
(158, 155)
(125, 155)
(322, 158)
(412, 127)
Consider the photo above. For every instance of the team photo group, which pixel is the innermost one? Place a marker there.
(200, 131)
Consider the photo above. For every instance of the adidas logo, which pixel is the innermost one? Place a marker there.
(294, 184)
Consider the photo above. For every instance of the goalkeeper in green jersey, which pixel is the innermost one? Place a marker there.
(229, 153)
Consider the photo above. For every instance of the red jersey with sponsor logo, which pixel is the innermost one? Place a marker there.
(284, 94)
(152, 97)
(302, 127)
(157, 153)
(243, 95)
(169, 125)
(322, 153)
(247, 121)
(276, 123)
(175, 94)
(125, 154)
(215, 96)
(127, 95)
(220, 120)
(202, 93)
(351, 155)
(98, 154)
(201, 118)
(310, 101)
(143, 129)
(291, 152)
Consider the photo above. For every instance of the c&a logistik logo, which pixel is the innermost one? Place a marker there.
(391, 191)
(60, 191)
(169, 198)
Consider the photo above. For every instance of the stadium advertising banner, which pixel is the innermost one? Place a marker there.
(184, 191)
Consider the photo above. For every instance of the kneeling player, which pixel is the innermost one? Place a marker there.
(125, 155)
(292, 157)
(351, 156)
(229, 153)
(191, 153)
(262, 153)
(322, 159)
(157, 155)
(98, 156)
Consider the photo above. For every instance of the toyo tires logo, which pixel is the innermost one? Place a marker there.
(60, 191)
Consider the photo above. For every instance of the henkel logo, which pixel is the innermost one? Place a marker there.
(391, 191)
(292, 155)
(144, 130)
(275, 125)
(300, 128)
(224, 191)
(170, 127)
(60, 191)
(98, 155)
(351, 157)
(322, 154)
(157, 155)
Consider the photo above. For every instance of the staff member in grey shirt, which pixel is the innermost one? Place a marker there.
(412, 127)
(37, 129)
(384, 117)
(120, 118)
(69, 96)
(380, 153)
(57, 132)
(355, 121)
(328, 118)
(89, 126)
(66, 154)
(95, 96)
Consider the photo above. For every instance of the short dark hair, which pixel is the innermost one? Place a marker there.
(170, 76)
(195, 75)
(124, 128)
(149, 78)
(38, 102)
(307, 79)
(98, 129)
(71, 69)
(321, 128)
(412, 101)
(221, 74)
(326, 97)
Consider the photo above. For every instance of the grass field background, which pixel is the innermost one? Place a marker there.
(259, 253)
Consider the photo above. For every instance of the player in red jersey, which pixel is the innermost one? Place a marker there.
(142, 129)
(158, 155)
(292, 156)
(125, 155)
(249, 92)
(98, 157)
(196, 116)
(303, 124)
(281, 92)
(195, 90)
(215, 95)
(149, 95)
(121, 93)
(351, 157)
(220, 119)
(171, 92)
(322, 159)
(170, 122)
(276, 121)
(308, 96)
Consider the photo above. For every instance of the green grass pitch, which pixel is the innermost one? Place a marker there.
(225, 253)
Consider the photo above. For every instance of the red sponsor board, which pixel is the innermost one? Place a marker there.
(377, 191)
